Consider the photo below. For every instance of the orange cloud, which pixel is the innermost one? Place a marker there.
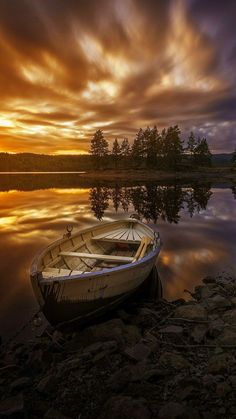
(68, 68)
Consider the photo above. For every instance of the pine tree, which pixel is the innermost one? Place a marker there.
(153, 147)
(191, 145)
(137, 148)
(233, 159)
(116, 151)
(99, 148)
(125, 148)
(202, 155)
(172, 148)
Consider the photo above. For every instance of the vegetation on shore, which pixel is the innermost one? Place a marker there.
(150, 150)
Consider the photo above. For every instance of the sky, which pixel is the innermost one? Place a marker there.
(68, 68)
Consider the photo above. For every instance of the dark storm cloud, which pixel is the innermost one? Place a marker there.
(71, 66)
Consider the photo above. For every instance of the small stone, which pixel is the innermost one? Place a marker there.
(171, 410)
(47, 384)
(222, 389)
(173, 361)
(209, 280)
(220, 363)
(54, 414)
(232, 380)
(172, 330)
(124, 407)
(138, 352)
(12, 406)
(191, 312)
(230, 316)
(20, 383)
(127, 374)
(199, 332)
(216, 327)
(228, 336)
(233, 301)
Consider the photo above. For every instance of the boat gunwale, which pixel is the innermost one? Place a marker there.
(80, 277)
(41, 253)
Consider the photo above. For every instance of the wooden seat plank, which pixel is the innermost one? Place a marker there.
(98, 256)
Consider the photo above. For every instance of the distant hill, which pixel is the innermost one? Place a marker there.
(223, 159)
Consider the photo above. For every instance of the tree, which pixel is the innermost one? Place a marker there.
(125, 148)
(191, 145)
(116, 151)
(172, 148)
(99, 148)
(153, 146)
(233, 159)
(137, 151)
(202, 155)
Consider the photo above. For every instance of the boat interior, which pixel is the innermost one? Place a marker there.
(97, 249)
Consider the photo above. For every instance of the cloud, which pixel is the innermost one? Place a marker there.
(70, 67)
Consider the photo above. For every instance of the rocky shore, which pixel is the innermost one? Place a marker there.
(150, 360)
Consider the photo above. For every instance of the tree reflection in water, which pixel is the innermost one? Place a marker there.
(151, 201)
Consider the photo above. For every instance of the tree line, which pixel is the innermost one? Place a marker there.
(152, 149)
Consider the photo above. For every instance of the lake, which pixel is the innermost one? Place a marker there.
(197, 224)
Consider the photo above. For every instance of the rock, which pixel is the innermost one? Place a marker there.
(230, 316)
(233, 301)
(132, 334)
(228, 336)
(173, 361)
(209, 280)
(38, 360)
(108, 346)
(113, 329)
(191, 312)
(215, 327)
(171, 410)
(127, 374)
(208, 380)
(20, 383)
(220, 363)
(199, 332)
(217, 302)
(124, 407)
(222, 389)
(12, 407)
(208, 291)
(138, 352)
(172, 330)
(47, 384)
(54, 414)
(232, 380)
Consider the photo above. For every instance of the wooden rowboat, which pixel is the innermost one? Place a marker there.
(94, 269)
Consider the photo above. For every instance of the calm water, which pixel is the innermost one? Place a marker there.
(197, 224)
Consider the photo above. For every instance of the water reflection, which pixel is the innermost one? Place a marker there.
(151, 202)
(196, 222)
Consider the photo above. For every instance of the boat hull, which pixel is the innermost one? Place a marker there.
(82, 295)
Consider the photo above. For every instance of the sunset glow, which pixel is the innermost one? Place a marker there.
(69, 68)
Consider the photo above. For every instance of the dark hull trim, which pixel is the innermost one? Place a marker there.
(65, 312)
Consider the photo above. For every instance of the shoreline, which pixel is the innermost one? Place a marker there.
(151, 360)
